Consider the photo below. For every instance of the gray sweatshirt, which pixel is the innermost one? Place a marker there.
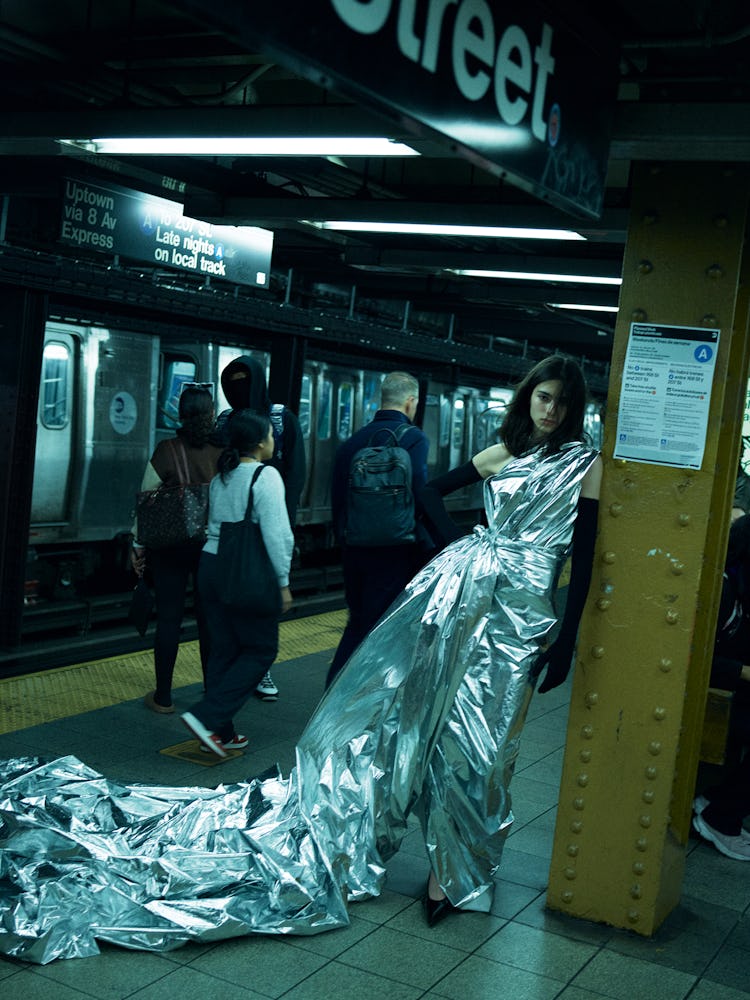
(228, 502)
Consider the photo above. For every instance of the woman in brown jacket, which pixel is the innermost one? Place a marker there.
(190, 455)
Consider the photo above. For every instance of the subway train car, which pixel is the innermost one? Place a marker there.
(108, 395)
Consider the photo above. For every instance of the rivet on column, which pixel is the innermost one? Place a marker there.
(645, 821)
(587, 732)
(671, 617)
(636, 891)
(639, 868)
(683, 520)
(660, 713)
(582, 780)
(570, 874)
(633, 916)
(651, 772)
(641, 844)
(576, 826)
(648, 795)
(654, 748)
(665, 664)
(585, 756)
(573, 850)
(567, 896)
(578, 804)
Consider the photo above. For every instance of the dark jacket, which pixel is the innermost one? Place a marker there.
(732, 649)
(250, 392)
(415, 442)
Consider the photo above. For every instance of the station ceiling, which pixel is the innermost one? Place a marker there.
(72, 68)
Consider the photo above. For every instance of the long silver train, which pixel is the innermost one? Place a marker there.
(108, 395)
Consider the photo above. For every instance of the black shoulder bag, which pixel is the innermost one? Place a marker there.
(246, 579)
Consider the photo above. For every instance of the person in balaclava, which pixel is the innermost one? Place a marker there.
(244, 383)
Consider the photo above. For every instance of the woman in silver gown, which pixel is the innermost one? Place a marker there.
(425, 718)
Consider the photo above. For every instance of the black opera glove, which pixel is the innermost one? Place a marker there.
(440, 524)
(559, 656)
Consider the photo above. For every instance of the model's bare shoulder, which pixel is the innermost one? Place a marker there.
(592, 481)
(491, 460)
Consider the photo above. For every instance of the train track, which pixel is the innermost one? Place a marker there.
(61, 633)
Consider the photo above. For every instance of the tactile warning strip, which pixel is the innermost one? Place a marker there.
(65, 691)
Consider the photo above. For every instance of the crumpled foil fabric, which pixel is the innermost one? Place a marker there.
(425, 718)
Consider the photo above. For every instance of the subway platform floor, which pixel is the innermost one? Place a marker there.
(520, 951)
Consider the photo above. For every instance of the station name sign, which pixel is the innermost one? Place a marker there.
(118, 220)
(525, 93)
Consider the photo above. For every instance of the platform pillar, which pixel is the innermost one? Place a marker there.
(22, 317)
(644, 650)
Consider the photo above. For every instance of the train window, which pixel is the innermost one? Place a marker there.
(488, 425)
(459, 419)
(344, 411)
(324, 409)
(177, 369)
(592, 424)
(445, 421)
(370, 396)
(305, 405)
(55, 385)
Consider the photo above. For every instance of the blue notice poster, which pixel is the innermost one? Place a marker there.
(117, 220)
(666, 394)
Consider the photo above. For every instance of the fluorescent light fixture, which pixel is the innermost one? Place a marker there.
(247, 146)
(440, 229)
(583, 307)
(579, 279)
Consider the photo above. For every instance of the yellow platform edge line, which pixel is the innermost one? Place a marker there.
(62, 692)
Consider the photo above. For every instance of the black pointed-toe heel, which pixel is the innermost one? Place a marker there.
(437, 909)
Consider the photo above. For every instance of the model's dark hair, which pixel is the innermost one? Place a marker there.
(196, 414)
(246, 430)
(517, 429)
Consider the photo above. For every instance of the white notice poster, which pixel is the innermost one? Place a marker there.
(666, 392)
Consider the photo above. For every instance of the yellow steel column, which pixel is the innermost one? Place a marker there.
(644, 646)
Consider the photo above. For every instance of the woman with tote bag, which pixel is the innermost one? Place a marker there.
(243, 627)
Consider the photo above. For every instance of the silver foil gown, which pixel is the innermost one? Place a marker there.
(425, 717)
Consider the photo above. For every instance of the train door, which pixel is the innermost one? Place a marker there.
(321, 444)
(592, 425)
(435, 424)
(119, 401)
(305, 422)
(55, 433)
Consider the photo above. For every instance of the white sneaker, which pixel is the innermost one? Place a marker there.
(208, 739)
(699, 804)
(267, 690)
(732, 847)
